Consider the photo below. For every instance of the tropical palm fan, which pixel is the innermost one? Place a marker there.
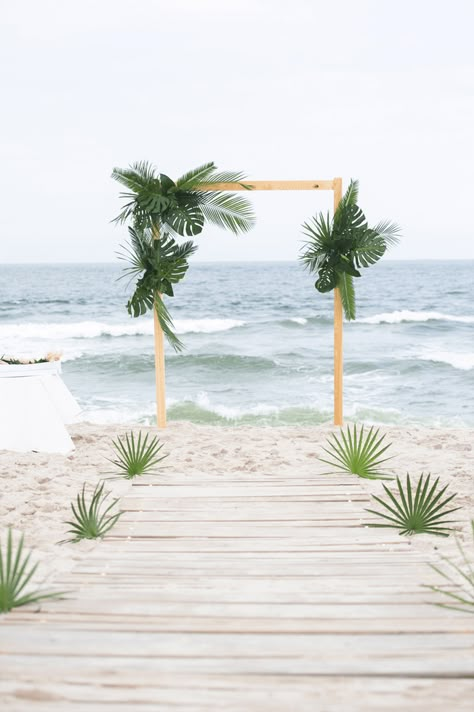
(422, 511)
(90, 519)
(337, 249)
(358, 453)
(16, 572)
(159, 209)
(137, 457)
(458, 585)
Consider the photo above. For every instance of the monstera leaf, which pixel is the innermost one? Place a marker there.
(336, 250)
(182, 207)
(160, 209)
(157, 265)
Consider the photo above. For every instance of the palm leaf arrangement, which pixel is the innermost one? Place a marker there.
(358, 453)
(420, 511)
(90, 519)
(458, 583)
(162, 210)
(138, 456)
(15, 575)
(336, 250)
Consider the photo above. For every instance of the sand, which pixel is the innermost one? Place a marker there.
(37, 488)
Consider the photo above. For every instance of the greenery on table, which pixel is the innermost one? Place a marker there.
(458, 585)
(90, 519)
(16, 573)
(138, 456)
(22, 362)
(160, 211)
(423, 510)
(358, 452)
(337, 249)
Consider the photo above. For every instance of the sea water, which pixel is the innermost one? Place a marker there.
(259, 342)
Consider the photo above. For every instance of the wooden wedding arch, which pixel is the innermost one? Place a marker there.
(336, 186)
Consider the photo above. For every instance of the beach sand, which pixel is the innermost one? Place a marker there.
(37, 488)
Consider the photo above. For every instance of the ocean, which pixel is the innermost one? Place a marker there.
(258, 340)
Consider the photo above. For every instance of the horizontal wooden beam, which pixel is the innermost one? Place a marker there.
(271, 185)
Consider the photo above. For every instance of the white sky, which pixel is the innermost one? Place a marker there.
(379, 90)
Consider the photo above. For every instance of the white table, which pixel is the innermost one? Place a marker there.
(35, 405)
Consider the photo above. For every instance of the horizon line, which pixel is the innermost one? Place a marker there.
(287, 261)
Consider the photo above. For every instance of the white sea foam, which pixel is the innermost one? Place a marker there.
(205, 326)
(94, 329)
(299, 320)
(405, 315)
(461, 360)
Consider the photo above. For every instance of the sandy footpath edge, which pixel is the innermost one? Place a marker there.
(36, 489)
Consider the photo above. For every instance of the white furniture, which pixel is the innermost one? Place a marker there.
(35, 405)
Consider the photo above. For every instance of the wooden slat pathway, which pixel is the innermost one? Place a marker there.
(241, 593)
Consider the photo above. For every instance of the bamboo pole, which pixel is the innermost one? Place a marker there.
(159, 363)
(338, 342)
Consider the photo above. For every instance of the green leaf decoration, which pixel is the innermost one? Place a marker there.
(161, 209)
(358, 453)
(458, 580)
(337, 249)
(423, 511)
(327, 279)
(156, 265)
(92, 520)
(137, 456)
(346, 289)
(154, 200)
(16, 573)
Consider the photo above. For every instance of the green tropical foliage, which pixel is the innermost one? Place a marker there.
(458, 585)
(157, 265)
(336, 250)
(160, 210)
(358, 453)
(137, 456)
(153, 200)
(90, 519)
(423, 511)
(15, 575)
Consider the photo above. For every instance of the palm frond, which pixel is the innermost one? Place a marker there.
(166, 323)
(358, 453)
(228, 210)
(351, 196)
(458, 585)
(90, 519)
(421, 512)
(137, 252)
(196, 176)
(136, 177)
(388, 231)
(346, 288)
(138, 456)
(314, 250)
(15, 575)
(228, 177)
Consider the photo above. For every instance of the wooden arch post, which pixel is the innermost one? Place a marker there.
(336, 186)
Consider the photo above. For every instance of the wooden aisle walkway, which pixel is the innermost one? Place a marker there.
(241, 593)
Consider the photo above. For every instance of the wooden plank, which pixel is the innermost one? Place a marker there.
(270, 185)
(338, 332)
(222, 623)
(237, 589)
(235, 693)
(159, 373)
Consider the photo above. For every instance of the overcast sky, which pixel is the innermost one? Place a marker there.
(379, 90)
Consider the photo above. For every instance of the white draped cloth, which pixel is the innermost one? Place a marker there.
(35, 406)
